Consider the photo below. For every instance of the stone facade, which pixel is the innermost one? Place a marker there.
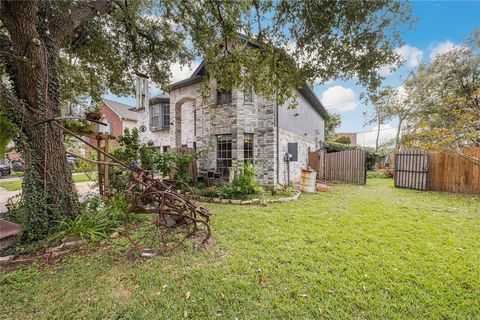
(197, 121)
(304, 146)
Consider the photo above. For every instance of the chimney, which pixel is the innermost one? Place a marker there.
(141, 91)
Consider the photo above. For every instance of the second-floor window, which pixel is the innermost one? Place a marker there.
(224, 97)
(248, 94)
(160, 117)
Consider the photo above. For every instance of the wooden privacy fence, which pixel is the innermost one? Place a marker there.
(345, 166)
(438, 171)
(452, 173)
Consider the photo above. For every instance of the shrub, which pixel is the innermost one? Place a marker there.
(376, 175)
(99, 218)
(243, 185)
(284, 191)
(245, 182)
(333, 146)
(343, 139)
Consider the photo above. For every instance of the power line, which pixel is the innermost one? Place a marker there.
(337, 104)
(373, 130)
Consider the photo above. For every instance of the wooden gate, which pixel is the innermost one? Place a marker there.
(345, 166)
(411, 170)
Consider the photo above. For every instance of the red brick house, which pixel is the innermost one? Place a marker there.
(118, 117)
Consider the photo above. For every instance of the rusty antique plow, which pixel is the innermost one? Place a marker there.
(159, 217)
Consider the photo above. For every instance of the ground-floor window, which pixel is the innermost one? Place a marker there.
(248, 147)
(224, 151)
(166, 148)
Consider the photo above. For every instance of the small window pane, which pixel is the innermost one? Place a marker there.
(224, 151)
(224, 97)
(155, 121)
(248, 148)
(166, 116)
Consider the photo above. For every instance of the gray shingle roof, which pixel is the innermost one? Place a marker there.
(123, 110)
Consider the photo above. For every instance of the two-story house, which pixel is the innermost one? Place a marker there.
(234, 127)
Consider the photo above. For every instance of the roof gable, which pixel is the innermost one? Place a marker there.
(122, 110)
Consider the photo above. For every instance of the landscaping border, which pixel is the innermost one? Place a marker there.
(262, 202)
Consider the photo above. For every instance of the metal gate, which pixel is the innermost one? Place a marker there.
(411, 169)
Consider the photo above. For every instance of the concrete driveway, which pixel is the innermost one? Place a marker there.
(83, 189)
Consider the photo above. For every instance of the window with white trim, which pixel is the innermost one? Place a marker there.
(160, 117)
(224, 151)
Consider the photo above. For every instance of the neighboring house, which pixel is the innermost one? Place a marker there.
(11, 155)
(117, 116)
(234, 127)
(350, 135)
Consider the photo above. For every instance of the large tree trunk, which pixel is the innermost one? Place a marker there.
(48, 191)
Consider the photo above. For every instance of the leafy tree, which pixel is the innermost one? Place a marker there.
(380, 112)
(53, 52)
(331, 125)
(343, 139)
(7, 133)
(445, 94)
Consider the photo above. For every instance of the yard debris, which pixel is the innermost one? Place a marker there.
(321, 187)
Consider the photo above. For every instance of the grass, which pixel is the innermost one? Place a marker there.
(356, 252)
(17, 184)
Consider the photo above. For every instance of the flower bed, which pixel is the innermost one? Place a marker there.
(246, 202)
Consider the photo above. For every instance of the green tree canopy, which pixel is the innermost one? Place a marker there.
(54, 52)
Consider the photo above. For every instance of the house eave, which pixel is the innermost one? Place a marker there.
(312, 98)
(186, 82)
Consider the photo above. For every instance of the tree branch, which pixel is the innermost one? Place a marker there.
(67, 24)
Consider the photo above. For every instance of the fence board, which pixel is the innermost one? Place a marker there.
(346, 166)
(453, 173)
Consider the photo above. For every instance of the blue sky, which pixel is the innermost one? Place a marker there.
(441, 26)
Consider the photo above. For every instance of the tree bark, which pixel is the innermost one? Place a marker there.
(48, 191)
(397, 136)
(378, 135)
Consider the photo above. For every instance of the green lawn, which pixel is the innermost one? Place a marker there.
(356, 252)
(17, 184)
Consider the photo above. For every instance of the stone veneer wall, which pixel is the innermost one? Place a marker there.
(160, 138)
(295, 167)
(209, 120)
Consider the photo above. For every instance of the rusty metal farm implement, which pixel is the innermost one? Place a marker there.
(159, 216)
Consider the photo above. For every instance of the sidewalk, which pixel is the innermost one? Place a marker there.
(83, 189)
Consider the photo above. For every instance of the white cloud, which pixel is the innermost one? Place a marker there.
(339, 98)
(443, 47)
(180, 72)
(367, 139)
(411, 55)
